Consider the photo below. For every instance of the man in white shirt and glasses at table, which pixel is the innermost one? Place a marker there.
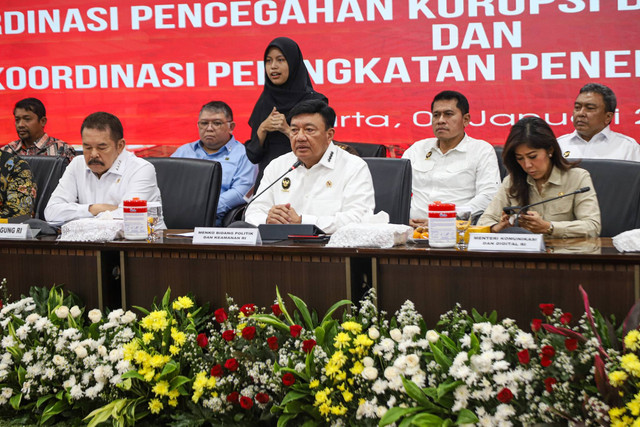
(452, 167)
(104, 176)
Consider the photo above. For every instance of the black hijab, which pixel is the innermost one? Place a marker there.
(295, 89)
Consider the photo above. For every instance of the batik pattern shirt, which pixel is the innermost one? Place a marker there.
(45, 146)
(17, 188)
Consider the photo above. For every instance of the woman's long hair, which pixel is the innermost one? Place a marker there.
(534, 133)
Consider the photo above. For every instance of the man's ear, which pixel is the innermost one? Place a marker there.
(43, 121)
(330, 133)
(232, 126)
(120, 145)
(466, 119)
(608, 117)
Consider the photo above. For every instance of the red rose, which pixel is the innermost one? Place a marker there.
(548, 351)
(246, 402)
(262, 398)
(505, 395)
(202, 340)
(216, 371)
(547, 309)
(0, 303)
(549, 382)
(536, 324)
(523, 357)
(571, 344)
(220, 315)
(307, 345)
(249, 332)
(295, 330)
(275, 308)
(545, 361)
(288, 379)
(273, 343)
(231, 364)
(229, 335)
(233, 397)
(248, 309)
(565, 318)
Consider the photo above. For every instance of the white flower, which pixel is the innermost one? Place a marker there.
(412, 360)
(8, 341)
(31, 319)
(481, 362)
(75, 311)
(525, 340)
(420, 379)
(62, 312)
(483, 328)
(7, 392)
(23, 331)
(374, 334)
(396, 334)
(380, 411)
(81, 352)
(465, 341)
(391, 373)
(76, 392)
(499, 334)
(59, 360)
(70, 382)
(380, 386)
(410, 331)
(95, 315)
(433, 336)
(370, 373)
(128, 317)
(367, 361)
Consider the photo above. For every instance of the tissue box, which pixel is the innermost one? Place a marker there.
(370, 236)
(92, 230)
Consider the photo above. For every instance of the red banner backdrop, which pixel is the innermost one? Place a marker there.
(380, 62)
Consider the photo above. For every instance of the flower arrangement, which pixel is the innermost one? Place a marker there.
(176, 364)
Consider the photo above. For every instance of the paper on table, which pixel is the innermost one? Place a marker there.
(187, 234)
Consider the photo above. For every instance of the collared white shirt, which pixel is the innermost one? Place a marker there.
(466, 175)
(336, 191)
(606, 144)
(79, 187)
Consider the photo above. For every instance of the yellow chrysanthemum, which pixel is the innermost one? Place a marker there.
(200, 382)
(179, 338)
(338, 410)
(634, 407)
(173, 394)
(149, 375)
(241, 326)
(632, 340)
(314, 384)
(631, 364)
(347, 396)
(141, 357)
(130, 349)
(147, 337)
(357, 368)
(321, 397)
(325, 409)
(173, 402)
(338, 358)
(182, 303)
(161, 388)
(341, 340)
(155, 406)
(341, 376)
(352, 327)
(174, 350)
(363, 340)
(211, 382)
(158, 361)
(362, 401)
(331, 370)
(617, 378)
(155, 321)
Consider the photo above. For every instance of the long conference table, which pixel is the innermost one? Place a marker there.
(129, 273)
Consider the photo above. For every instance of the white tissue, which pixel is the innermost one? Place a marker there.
(370, 236)
(628, 241)
(100, 229)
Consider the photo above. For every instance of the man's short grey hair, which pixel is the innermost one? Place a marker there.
(218, 107)
(608, 96)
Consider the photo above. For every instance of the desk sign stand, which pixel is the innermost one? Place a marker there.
(505, 242)
(15, 231)
(226, 236)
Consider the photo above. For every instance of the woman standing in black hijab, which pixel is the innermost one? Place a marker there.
(287, 82)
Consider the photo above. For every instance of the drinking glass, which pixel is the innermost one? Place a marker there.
(463, 220)
(154, 213)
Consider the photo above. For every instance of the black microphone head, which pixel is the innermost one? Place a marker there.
(584, 189)
(296, 164)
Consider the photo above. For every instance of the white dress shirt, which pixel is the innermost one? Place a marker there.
(79, 187)
(336, 191)
(466, 175)
(606, 144)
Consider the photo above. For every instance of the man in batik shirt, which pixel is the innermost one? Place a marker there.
(17, 189)
(30, 118)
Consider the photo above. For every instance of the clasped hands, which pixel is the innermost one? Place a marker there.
(283, 214)
(530, 220)
(275, 122)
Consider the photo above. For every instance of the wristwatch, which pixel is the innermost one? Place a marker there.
(550, 230)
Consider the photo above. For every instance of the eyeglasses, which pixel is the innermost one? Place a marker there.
(217, 124)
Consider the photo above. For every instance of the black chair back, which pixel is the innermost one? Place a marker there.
(46, 171)
(617, 184)
(190, 190)
(503, 169)
(367, 150)
(392, 185)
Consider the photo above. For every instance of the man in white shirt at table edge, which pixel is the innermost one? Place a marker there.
(452, 167)
(330, 189)
(104, 176)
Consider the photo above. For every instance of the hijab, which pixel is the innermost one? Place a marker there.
(295, 89)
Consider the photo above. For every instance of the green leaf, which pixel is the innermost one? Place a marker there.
(465, 416)
(427, 420)
(333, 308)
(166, 298)
(445, 388)
(284, 419)
(53, 409)
(142, 310)
(170, 367)
(319, 331)
(394, 414)
(43, 399)
(132, 374)
(293, 395)
(270, 319)
(415, 392)
(178, 381)
(448, 342)
(282, 307)
(15, 401)
(302, 308)
(440, 357)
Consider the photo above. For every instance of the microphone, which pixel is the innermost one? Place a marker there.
(293, 167)
(512, 209)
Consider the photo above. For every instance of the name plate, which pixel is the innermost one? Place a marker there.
(505, 242)
(15, 231)
(226, 236)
